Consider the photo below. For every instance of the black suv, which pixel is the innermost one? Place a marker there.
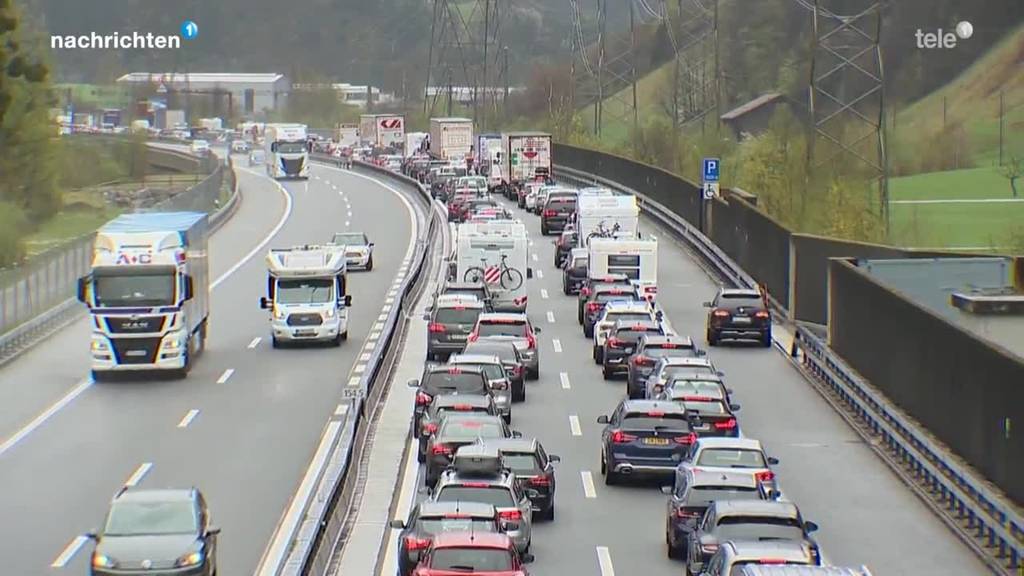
(622, 342)
(559, 209)
(438, 380)
(534, 469)
(649, 348)
(450, 322)
(738, 314)
(574, 270)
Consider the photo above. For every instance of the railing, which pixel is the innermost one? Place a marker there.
(989, 525)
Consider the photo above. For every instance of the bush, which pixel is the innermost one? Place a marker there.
(13, 226)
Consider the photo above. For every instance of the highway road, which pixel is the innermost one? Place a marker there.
(243, 426)
(867, 515)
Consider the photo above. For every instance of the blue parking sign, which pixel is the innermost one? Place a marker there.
(711, 167)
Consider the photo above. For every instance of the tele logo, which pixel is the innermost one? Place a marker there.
(943, 38)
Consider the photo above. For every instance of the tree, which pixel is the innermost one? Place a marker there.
(1013, 170)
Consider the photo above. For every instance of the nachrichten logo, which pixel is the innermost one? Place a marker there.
(126, 41)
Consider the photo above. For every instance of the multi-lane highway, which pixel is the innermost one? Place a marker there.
(867, 515)
(242, 427)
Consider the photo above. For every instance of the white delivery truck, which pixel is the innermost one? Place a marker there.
(451, 139)
(610, 215)
(489, 156)
(148, 292)
(287, 154)
(347, 135)
(307, 294)
(211, 124)
(527, 156)
(414, 143)
(384, 130)
(496, 253)
(637, 258)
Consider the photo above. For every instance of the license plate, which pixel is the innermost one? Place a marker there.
(458, 337)
(135, 353)
(305, 332)
(656, 441)
(740, 320)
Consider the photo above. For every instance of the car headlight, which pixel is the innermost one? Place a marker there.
(329, 313)
(192, 559)
(278, 314)
(100, 345)
(172, 343)
(103, 561)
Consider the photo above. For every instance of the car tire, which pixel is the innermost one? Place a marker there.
(369, 263)
(766, 340)
(610, 478)
(337, 341)
(543, 229)
(97, 375)
(344, 335)
(274, 342)
(588, 331)
(579, 314)
(533, 374)
(606, 372)
(519, 396)
(507, 418)
(712, 338)
(421, 455)
(549, 514)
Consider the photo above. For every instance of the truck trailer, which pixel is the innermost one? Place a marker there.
(451, 138)
(527, 157)
(148, 293)
(383, 130)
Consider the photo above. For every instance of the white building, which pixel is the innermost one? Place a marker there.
(352, 94)
(464, 94)
(251, 94)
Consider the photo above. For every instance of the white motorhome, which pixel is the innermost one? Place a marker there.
(497, 253)
(148, 292)
(637, 258)
(612, 215)
(287, 154)
(347, 135)
(307, 294)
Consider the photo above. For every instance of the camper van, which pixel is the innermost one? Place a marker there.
(495, 252)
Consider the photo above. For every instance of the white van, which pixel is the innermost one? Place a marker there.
(636, 258)
(496, 253)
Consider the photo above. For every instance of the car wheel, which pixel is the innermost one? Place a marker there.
(712, 338)
(421, 455)
(369, 263)
(579, 313)
(606, 372)
(588, 331)
(533, 374)
(593, 354)
(274, 342)
(337, 341)
(611, 478)
(543, 229)
(344, 335)
(507, 418)
(549, 514)
(766, 340)
(97, 376)
(519, 395)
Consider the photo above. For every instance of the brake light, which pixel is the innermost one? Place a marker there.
(615, 342)
(709, 548)
(585, 291)
(642, 361)
(474, 485)
(441, 449)
(771, 561)
(719, 313)
(429, 427)
(413, 543)
(511, 515)
(620, 437)
(540, 481)
(531, 340)
(764, 476)
(688, 514)
(656, 413)
(435, 328)
(422, 399)
(462, 407)
(473, 336)
(688, 439)
(455, 370)
(517, 370)
(593, 306)
(761, 314)
(697, 399)
(727, 425)
(549, 213)
(668, 346)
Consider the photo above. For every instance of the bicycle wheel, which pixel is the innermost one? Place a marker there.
(511, 279)
(474, 274)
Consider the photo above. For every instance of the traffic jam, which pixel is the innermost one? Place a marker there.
(485, 484)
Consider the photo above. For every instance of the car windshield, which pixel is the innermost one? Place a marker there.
(630, 335)
(707, 408)
(521, 462)
(497, 496)
(352, 239)
(291, 147)
(137, 518)
(435, 526)
(652, 420)
(469, 428)
(705, 495)
(457, 315)
(471, 560)
(127, 288)
(759, 528)
(670, 372)
(505, 351)
(664, 352)
(682, 389)
(731, 458)
(515, 328)
(733, 302)
(478, 292)
(626, 316)
(612, 296)
(454, 381)
(304, 291)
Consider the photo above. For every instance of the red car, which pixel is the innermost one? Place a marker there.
(480, 553)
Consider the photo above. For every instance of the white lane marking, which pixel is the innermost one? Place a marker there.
(379, 325)
(364, 356)
(341, 410)
(279, 545)
(353, 381)
(588, 484)
(225, 376)
(961, 201)
(604, 559)
(574, 425)
(373, 335)
(386, 308)
(139, 474)
(255, 342)
(188, 418)
(564, 377)
(347, 223)
(540, 273)
(557, 344)
(349, 213)
(544, 293)
(390, 299)
(270, 235)
(69, 552)
(359, 369)
(534, 257)
(551, 317)
(45, 415)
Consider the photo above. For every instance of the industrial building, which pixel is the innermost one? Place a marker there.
(249, 94)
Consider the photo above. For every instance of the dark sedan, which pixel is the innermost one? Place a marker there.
(644, 437)
(564, 244)
(622, 341)
(649, 348)
(156, 532)
(574, 270)
(557, 212)
(460, 429)
(715, 417)
(590, 285)
(443, 403)
(438, 380)
(429, 519)
(738, 314)
(511, 359)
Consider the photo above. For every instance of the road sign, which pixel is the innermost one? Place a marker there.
(710, 190)
(711, 167)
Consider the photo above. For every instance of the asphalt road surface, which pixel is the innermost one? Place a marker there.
(242, 427)
(867, 515)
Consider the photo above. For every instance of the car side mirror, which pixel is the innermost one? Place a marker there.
(371, 244)
(426, 316)
(213, 531)
(92, 535)
(602, 419)
(810, 526)
(83, 290)
(413, 383)
(527, 558)
(529, 273)
(720, 373)
(666, 490)
(537, 330)
(189, 289)
(773, 460)
(399, 524)
(554, 458)
(264, 303)
(734, 407)
(706, 304)
(517, 434)
(347, 300)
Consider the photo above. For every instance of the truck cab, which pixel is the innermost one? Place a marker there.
(307, 294)
(287, 151)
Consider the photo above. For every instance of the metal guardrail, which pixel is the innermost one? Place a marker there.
(311, 546)
(42, 300)
(987, 522)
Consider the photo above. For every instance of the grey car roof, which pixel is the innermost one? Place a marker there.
(453, 399)
(513, 444)
(781, 549)
(700, 477)
(665, 338)
(158, 495)
(502, 316)
(725, 442)
(474, 359)
(479, 509)
(773, 508)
